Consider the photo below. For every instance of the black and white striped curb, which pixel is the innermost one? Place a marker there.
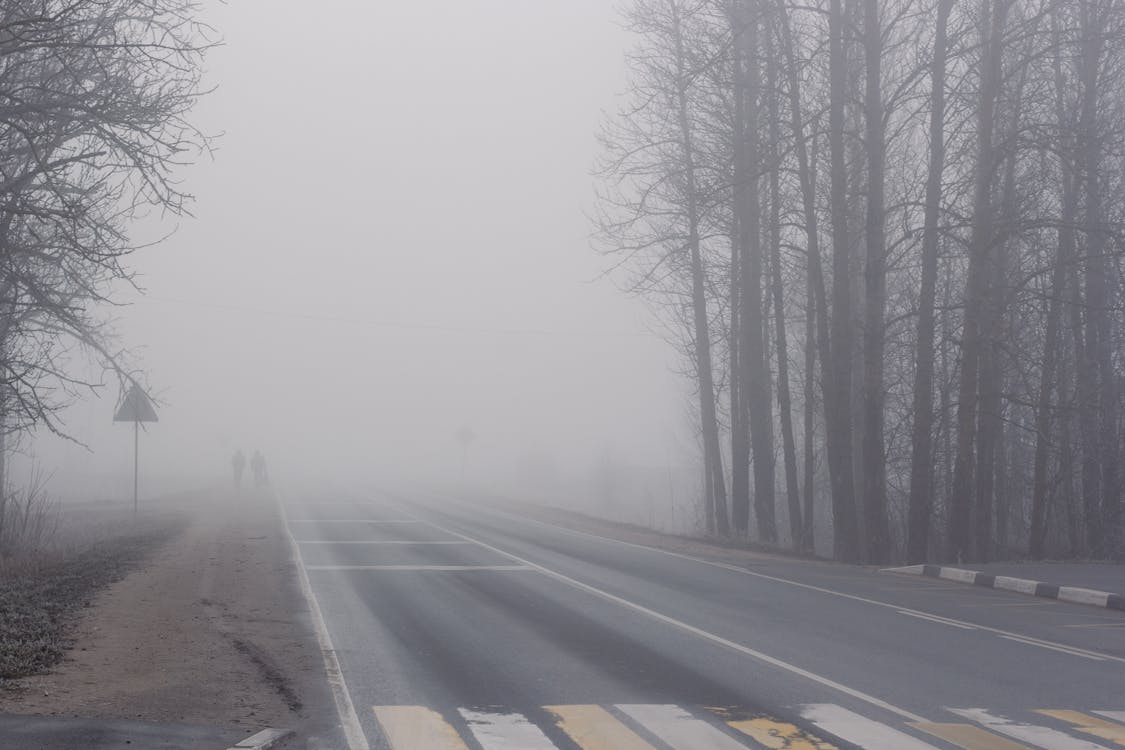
(263, 740)
(1072, 594)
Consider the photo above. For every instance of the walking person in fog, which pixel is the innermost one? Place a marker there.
(258, 466)
(238, 463)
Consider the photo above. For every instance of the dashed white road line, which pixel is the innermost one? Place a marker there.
(446, 568)
(1054, 647)
(935, 618)
(409, 542)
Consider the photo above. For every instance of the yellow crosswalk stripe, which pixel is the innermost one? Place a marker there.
(778, 735)
(417, 728)
(968, 736)
(1104, 728)
(594, 728)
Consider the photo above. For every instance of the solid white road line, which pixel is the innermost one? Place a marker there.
(789, 582)
(859, 730)
(1053, 647)
(699, 632)
(420, 567)
(349, 720)
(678, 729)
(417, 728)
(1042, 737)
(505, 731)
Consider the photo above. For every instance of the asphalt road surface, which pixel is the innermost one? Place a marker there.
(460, 626)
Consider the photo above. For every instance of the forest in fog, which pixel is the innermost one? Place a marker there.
(886, 236)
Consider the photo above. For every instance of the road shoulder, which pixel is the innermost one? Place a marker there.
(212, 630)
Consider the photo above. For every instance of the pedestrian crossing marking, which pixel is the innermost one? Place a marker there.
(594, 728)
(505, 731)
(417, 727)
(778, 735)
(968, 736)
(639, 726)
(860, 730)
(1107, 730)
(1037, 736)
(678, 729)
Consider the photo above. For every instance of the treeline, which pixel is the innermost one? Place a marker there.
(887, 235)
(94, 99)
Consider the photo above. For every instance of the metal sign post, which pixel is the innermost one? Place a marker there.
(136, 408)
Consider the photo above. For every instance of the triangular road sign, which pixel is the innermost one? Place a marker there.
(136, 407)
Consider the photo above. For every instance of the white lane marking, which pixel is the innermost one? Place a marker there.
(1052, 647)
(789, 582)
(1114, 715)
(1042, 737)
(378, 541)
(505, 731)
(349, 720)
(421, 567)
(678, 729)
(935, 618)
(699, 632)
(376, 521)
(859, 730)
(416, 728)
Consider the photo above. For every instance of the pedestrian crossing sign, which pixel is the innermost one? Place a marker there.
(135, 407)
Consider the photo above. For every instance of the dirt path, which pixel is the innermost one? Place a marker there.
(212, 630)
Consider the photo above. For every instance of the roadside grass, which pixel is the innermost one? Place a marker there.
(43, 589)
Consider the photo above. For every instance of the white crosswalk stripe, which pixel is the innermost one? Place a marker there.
(678, 729)
(860, 730)
(505, 731)
(632, 726)
(1039, 736)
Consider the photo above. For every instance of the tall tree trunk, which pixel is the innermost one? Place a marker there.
(740, 423)
(922, 436)
(755, 383)
(1037, 538)
(960, 537)
(1104, 530)
(839, 408)
(816, 307)
(711, 451)
(878, 547)
(784, 400)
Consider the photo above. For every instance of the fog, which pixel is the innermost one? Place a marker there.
(390, 243)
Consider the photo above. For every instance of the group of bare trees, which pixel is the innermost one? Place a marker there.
(94, 96)
(889, 232)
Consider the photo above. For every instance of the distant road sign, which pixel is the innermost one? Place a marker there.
(136, 407)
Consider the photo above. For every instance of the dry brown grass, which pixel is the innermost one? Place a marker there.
(46, 576)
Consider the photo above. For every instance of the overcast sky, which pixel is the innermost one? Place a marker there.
(390, 242)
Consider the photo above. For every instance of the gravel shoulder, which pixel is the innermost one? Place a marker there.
(210, 629)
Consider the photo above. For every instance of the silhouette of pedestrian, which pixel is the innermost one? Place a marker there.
(238, 463)
(258, 466)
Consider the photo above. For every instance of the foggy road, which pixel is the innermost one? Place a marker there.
(458, 625)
